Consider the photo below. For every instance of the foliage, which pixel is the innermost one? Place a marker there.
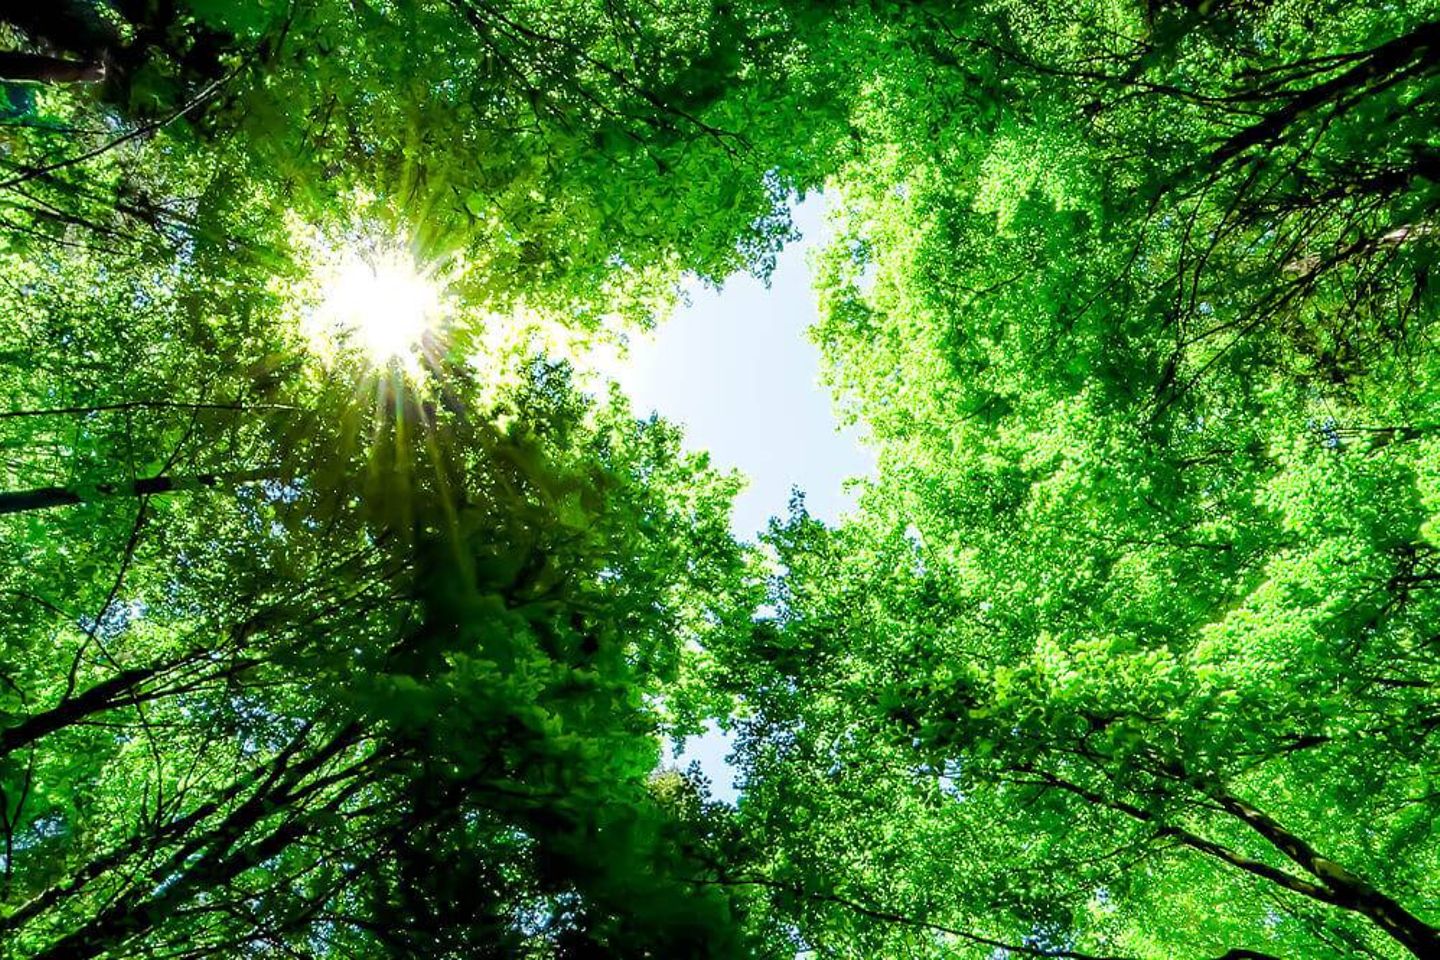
(1129, 651)
(303, 657)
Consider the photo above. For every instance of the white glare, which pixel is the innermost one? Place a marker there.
(382, 305)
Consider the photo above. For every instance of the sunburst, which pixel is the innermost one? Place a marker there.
(381, 304)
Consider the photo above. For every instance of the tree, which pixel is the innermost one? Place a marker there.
(305, 657)
(1130, 654)
(292, 724)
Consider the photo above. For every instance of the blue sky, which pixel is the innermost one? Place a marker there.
(736, 369)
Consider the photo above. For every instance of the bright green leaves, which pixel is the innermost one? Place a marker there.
(1130, 651)
(243, 20)
(1154, 430)
(412, 645)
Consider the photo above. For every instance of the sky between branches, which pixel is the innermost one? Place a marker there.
(736, 368)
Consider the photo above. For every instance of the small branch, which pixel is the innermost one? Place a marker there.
(145, 405)
(891, 917)
(140, 131)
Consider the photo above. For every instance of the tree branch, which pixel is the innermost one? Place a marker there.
(44, 498)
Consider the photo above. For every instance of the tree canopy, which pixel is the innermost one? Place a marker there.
(1127, 652)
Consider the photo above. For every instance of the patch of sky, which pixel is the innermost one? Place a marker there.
(736, 368)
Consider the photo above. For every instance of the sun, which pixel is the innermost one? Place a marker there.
(381, 304)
